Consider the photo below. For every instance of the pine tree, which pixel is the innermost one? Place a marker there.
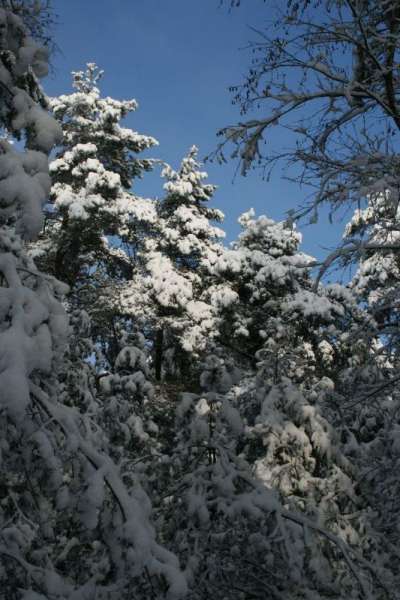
(94, 223)
(298, 336)
(179, 262)
(128, 400)
(373, 406)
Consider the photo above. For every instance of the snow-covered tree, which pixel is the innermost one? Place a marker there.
(291, 339)
(373, 407)
(38, 18)
(375, 231)
(265, 269)
(341, 102)
(240, 535)
(32, 319)
(87, 118)
(179, 260)
(69, 525)
(94, 223)
(128, 400)
(269, 444)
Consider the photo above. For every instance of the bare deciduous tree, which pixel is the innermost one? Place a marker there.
(327, 71)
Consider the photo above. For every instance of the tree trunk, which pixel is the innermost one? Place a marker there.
(159, 353)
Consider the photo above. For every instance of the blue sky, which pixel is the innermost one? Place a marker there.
(177, 58)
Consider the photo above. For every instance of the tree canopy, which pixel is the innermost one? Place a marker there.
(180, 418)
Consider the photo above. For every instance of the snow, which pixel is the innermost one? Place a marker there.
(24, 186)
(169, 286)
(308, 303)
(270, 455)
(55, 449)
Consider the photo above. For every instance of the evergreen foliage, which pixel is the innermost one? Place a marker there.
(180, 419)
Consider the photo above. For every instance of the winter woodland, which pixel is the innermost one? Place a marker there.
(183, 418)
